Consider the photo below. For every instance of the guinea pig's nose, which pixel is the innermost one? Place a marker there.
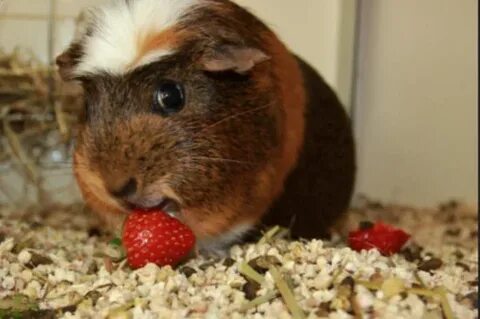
(127, 189)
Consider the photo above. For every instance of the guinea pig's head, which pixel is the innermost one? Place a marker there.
(182, 110)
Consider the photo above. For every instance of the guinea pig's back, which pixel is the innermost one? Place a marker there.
(318, 191)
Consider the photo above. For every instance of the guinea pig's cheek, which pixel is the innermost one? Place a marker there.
(94, 192)
(195, 219)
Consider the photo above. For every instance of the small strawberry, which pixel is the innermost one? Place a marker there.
(387, 239)
(155, 237)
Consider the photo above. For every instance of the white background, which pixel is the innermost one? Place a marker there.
(416, 110)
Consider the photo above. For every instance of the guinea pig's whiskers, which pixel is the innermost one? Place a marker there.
(223, 160)
(70, 165)
(233, 116)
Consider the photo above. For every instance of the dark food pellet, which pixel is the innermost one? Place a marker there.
(463, 266)
(472, 298)
(38, 260)
(454, 232)
(323, 310)
(92, 268)
(412, 253)
(349, 282)
(22, 245)
(250, 289)
(431, 264)
(345, 289)
(187, 271)
(71, 308)
(459, 254)
(94, 232)
(229, 262)
(206, 265)
(263, 263)
(94, 296)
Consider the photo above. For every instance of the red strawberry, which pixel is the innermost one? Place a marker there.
(155, 237)
(387, 239)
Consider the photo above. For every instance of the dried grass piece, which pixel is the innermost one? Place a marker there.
(447, 310)
(260, 300)
(245, 269)
(369, 285)
(269, 234)
(17, 303)
(121, 312)
(287, 294)
(392, 286)
(439, 293)
(34, 102)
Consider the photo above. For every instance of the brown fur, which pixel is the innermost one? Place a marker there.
(226, 156)
(292, 95)
(94, 192)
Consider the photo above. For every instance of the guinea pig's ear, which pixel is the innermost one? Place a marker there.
(239, 59)
(68, 60)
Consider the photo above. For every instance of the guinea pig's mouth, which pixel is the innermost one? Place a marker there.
(168, 205)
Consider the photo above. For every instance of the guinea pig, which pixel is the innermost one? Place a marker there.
(197, 107)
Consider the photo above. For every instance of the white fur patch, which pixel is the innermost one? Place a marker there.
(119, 25)
(218, 244)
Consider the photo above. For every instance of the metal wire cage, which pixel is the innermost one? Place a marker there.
(38, 111)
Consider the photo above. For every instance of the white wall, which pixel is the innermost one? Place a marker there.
(416, 112)
(25, 23)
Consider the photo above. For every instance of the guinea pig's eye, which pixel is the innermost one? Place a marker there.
(168, 98)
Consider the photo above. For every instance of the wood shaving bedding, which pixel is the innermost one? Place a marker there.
(56, 263)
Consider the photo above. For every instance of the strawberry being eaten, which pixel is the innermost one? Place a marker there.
(155, 237)
(387, 239)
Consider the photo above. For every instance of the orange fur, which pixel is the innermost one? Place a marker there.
(292, 93)
(293, 99)
(167, 39)
(218, 220)
(95, 194)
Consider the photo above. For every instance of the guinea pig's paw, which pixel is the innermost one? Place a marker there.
(214, 254)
